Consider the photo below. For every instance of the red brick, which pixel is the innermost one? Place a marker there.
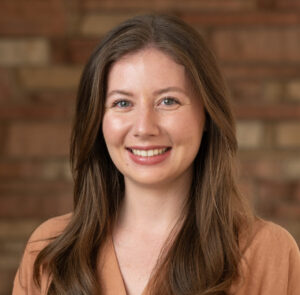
(266, 4)
(11, 251)
(7, 85)
(297, 193)
(244, 91)
(36, 112)
(287, 210)
(100, 23)
(76, 50)
(290, 224)
(6, 282)
(23, 169)
(53, 97)
(283, 190)
(260, 71)
(247, 188)
(260, 168)
(252, 92)
(38, 140)
(32, 17)
(9, 260)
(287, 4)
(248, 18)
(268, 112)
(35, 169)
(3, 136)
(269, 155)
(257, 45)
(271, 195)
(35, 199)
(16, 230)
(272, 167)
(169, 4)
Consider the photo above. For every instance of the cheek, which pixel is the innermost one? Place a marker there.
(113, 129)
(187, 128)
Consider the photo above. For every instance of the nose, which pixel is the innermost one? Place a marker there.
(146, 122)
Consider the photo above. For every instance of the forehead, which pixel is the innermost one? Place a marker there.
(151, 66)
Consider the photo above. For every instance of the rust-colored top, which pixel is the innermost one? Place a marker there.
(270, 265)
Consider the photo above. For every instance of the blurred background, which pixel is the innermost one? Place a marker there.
(43, 47)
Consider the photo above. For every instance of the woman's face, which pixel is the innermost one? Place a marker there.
(153, 122)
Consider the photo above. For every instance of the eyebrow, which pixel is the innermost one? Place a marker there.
(157, 92)
(119, 92)
(169, 89)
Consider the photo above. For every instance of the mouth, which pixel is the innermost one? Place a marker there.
(148, 152)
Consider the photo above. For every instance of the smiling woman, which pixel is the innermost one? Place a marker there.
(152, 137)
(156, 207)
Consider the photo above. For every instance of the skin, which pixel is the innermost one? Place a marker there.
(150, 102)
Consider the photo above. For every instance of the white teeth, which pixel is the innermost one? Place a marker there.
(148, 153)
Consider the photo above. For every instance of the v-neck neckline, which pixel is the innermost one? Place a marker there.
(110, 275)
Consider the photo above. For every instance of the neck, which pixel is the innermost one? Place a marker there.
(153, 209)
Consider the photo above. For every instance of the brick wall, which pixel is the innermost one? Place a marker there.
(43, 47)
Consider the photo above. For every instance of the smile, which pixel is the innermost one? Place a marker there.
(148, 153)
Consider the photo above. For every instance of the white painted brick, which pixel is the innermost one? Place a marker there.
(24, 52)
(55, 77)
(100, 24)
(291, 168)
(250, 134)
(288, 134)
(293, 90)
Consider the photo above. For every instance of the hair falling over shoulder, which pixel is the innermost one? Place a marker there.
(204, 255)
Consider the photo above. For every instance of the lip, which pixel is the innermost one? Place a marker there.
(148, 147)
(148, 160)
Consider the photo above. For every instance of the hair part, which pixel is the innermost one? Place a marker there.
(204, 255)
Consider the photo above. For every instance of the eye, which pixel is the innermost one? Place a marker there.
(122, 104)
(169, 101)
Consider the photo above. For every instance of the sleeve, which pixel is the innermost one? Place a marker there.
(270, 265)
(294, 270)
(23, 282)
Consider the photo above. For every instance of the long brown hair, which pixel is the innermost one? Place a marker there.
(204, 256)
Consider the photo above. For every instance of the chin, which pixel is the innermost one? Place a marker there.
(151, 180)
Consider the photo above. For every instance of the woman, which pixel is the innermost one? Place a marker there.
(156, 206)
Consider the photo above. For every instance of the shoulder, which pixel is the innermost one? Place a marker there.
(47, 231)
(40, 238)
(269, 245)
(268, 234)
(51, 227)
(270, 261)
